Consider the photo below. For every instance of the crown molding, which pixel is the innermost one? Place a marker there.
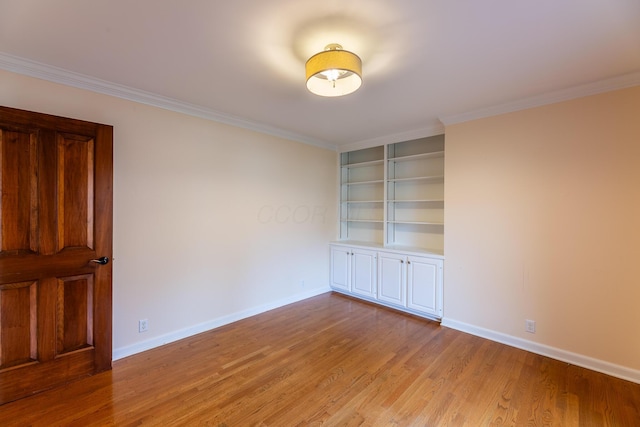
(38, 70)
(615, 83)
(58, 75)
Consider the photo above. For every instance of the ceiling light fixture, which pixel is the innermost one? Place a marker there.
(334, 72)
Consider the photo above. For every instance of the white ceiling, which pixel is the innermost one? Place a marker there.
(242, 61)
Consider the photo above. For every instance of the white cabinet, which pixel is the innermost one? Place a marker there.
(395, 278)
(340, 271)
(392, 274)
(363, 272)
(424, 285)
(391, 225)
(353, 270)
(410, 281)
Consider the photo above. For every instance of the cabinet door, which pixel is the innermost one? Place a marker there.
(363, 272)
(391, 271)
(340, 273)
(424, 283)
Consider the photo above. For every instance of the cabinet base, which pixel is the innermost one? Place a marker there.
(391, 306)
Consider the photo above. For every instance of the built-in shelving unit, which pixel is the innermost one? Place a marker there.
(391, 244)
(415, 194)
(393, 195)
(362, 195)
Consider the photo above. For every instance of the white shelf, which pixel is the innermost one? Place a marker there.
(363, 164)
(377, 181)
(362, 220)
(417, 201)
(417, 178)
(416, 222)
(434, 154)
(362, 201)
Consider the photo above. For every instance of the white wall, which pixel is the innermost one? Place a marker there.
(211, 222)
(543, 222)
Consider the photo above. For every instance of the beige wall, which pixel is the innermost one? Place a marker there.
(543, 222)
(213, 222)
(210, 221)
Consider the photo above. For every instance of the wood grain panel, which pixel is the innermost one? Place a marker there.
(75, 191)
(18, 328)
(74, 313)
(18, 184)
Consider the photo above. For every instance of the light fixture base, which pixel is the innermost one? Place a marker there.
(333, 46)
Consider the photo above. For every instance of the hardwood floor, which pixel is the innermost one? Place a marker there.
(332, 360)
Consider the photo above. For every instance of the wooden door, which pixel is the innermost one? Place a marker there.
(55, 218)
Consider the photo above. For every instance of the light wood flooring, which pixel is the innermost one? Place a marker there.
(335, 361)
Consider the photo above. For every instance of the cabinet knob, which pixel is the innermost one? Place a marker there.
(408, 262)
(401, 261)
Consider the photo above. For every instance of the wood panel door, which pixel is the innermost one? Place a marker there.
(55, 222)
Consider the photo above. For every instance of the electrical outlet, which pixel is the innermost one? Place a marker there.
(530, 326)
(143, 325)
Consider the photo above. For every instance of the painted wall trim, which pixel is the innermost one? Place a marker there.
(46, 72)
(615, 83)
(59, 75)
(122, 352)
(545, 350)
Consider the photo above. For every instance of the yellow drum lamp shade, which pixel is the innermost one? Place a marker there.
(334, 72)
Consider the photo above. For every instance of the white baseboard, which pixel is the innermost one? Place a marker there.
(119, 353)
(545, 350)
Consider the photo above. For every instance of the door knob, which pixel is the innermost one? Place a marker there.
(102, 261)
